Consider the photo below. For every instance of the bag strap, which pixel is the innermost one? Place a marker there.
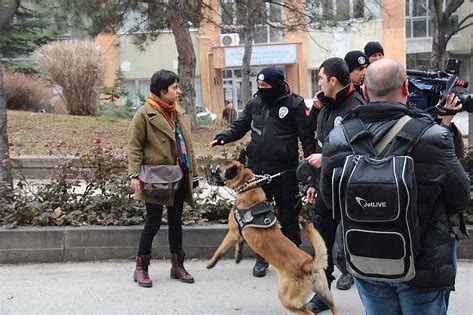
(391, 134)
(359, 138)
(403, 135)
(408, 137)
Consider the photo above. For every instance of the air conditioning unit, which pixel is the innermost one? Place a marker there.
(230, 39)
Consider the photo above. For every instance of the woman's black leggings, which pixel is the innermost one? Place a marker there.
(154, 213)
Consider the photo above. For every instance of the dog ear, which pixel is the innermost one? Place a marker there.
(242, 157)
(231, 172)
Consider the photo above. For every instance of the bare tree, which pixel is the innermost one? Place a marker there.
(283, 16)
(151, 16)
(442, 31)
(6, 179)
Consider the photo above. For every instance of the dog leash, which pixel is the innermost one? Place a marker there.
(259, 180)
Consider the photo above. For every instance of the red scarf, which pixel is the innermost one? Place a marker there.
(167, 110)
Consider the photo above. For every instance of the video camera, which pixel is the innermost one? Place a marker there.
(428, 90)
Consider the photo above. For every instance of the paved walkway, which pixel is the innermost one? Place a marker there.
(107, 288)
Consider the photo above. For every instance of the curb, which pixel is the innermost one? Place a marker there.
(93, 243)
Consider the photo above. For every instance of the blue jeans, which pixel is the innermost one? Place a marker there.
(393, 298)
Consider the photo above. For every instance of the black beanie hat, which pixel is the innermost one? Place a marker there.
(273, 76)
(372, 48)
(355, 59)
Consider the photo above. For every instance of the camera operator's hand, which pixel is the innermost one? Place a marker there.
(452, 103)
(311, 195)
(314, 160)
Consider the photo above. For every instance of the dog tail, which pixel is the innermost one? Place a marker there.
(320, 259)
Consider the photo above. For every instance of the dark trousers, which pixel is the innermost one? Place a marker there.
(327, 227)
(154, 214)
(339, 251)
(285, 192)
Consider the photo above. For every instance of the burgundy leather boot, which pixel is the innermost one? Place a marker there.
(141, 272)
(177, 268)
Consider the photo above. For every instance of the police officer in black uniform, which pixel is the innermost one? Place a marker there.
(337, 97)
(277, 119)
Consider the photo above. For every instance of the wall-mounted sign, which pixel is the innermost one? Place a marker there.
(262, 55)
(125, 66)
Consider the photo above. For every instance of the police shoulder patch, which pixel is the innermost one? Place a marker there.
(337, 121)
(283, 110)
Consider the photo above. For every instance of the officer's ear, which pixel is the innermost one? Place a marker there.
(366, 93)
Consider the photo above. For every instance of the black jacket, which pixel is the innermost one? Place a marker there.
(331, 115)
(443, 188)
(275, 129)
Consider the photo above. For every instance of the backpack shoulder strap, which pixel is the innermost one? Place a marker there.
(408, 136)
(381, 145)
(358, 136)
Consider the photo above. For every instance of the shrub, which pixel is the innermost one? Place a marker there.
(78, 67)
(102, 196)
(112, 110)
(26, 92)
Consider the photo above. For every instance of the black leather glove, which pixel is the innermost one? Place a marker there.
(220, 139)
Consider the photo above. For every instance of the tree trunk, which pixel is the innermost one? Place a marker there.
(246, 66)
(7, 14)
(6, 178)
(439, 41)
(250, 31)
(186, 55)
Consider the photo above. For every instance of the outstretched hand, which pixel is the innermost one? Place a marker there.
(216, 142)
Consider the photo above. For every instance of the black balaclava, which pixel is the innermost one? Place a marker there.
(275, 77)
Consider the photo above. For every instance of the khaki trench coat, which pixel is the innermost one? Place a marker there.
(152, 141)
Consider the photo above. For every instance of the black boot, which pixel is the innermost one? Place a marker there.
(316, 305)
(345, 281)
(261, 265)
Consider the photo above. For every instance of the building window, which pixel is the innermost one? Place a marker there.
(139, 90)
(343, 9)
(233, 15)
(419, 21)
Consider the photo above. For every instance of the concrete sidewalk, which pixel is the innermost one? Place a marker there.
(107, 288)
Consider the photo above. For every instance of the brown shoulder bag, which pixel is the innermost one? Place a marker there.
(160, 180)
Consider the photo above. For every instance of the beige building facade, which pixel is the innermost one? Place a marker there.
(298, 54)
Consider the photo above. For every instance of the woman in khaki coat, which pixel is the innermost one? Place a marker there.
(159, 134)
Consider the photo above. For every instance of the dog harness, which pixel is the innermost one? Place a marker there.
(260, 215)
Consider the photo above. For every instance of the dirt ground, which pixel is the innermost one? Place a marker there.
(41, 133)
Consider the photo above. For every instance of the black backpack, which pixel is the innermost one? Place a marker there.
(376, 197)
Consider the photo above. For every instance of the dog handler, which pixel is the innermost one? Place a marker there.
(277, 119)
(159, 134)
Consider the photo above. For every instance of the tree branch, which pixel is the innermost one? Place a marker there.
(7, 14)
(458, 30)
(452, 7)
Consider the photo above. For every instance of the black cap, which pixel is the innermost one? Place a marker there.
(273, 76)
(372, 48)
(355, 59)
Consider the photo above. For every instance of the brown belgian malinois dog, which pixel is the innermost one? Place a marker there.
(300, 275)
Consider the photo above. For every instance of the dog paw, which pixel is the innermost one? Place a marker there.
(210, 265)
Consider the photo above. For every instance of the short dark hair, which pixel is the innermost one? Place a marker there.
(336, 67)
(161, 80)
